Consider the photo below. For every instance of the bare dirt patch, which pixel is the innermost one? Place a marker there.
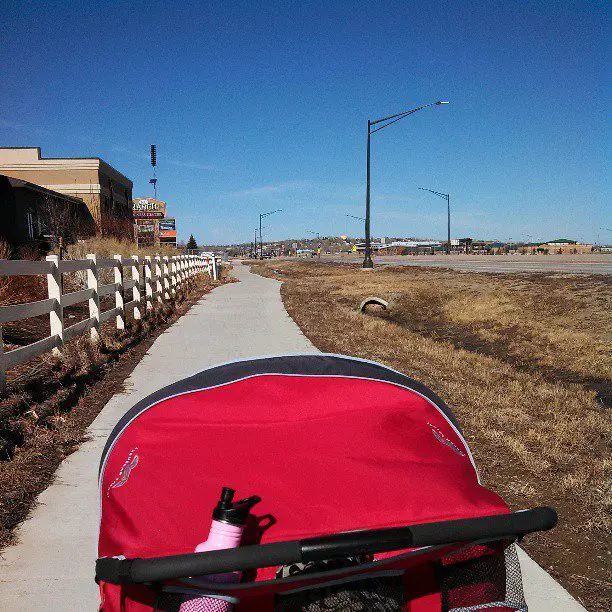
(523, 361)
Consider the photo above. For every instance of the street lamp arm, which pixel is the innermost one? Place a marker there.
(442, 195)
(262, 215)
(401, 115)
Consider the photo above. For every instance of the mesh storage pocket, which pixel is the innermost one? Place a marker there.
(179, 602)
(378, 594)
(481, 577)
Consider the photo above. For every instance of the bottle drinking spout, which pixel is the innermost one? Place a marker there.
(228, 521)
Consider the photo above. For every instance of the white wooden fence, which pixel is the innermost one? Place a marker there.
(153, 280)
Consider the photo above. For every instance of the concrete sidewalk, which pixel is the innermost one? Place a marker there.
(52, 565)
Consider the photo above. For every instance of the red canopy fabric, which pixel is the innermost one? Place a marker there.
(326, 453)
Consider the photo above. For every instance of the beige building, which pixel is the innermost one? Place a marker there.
(107, 192)
(563, 246)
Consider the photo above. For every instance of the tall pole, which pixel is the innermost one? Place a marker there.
(261, 216)
(367, 260)
(448, 248)
(446, 196)
(255, 250)
(154, 164)
(386, 122)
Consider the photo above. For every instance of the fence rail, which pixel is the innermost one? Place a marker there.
(152, 280)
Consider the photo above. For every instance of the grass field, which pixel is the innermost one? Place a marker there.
(524, 362)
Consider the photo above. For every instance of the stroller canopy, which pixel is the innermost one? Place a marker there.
(330, 444)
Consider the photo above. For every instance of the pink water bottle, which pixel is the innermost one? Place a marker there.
(228, 523)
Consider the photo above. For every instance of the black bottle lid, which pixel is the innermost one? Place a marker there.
(233, 513)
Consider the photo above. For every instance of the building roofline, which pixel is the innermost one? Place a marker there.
(99, 159)
(20, 183)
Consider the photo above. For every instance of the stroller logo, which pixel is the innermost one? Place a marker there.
(124, 473)
(440, 437)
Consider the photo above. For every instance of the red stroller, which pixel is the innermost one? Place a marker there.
(370, 499)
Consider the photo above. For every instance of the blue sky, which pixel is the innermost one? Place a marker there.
(258, 106)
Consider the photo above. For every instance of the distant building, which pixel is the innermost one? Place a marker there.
(107, 192)
(564, 246)
(461, 245)
(37, 217)
(407, 247)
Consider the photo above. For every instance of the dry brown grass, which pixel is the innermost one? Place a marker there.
(107, 247)
(53, 399)
(16, 290)
(521, 360)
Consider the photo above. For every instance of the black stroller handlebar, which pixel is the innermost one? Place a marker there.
(501, 526)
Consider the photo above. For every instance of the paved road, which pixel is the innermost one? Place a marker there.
(507, 264)
(52, 565)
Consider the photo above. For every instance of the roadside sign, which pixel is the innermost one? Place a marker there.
(167, 227)
(148, 208)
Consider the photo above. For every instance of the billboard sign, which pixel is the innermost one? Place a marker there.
(146, 228)
(148, 208)
(167, 227)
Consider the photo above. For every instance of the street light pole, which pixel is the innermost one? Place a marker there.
(386, 121)
(448, 248)
(446, 196)
(318, 242)
(367, 260)
(261, 216)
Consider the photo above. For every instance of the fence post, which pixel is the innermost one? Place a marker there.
(148, 282)
(54, 288)
(158, 279)
(136, 288)
(2, 367)
(94, 300)
(173, 274)
(214, 267)
(118, 269)
(166, 277)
